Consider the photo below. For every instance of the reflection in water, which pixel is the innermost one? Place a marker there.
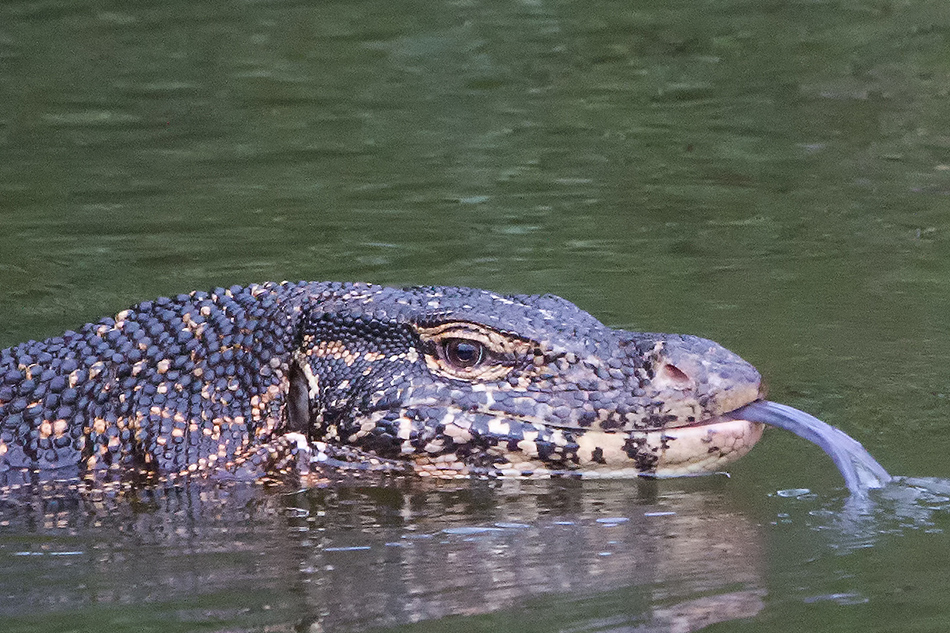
(357, 557)
(520, 545)
(529, 556)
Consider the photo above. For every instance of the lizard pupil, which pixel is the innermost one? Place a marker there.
(463, 354)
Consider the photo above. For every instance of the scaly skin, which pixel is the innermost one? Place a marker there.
(267, 379)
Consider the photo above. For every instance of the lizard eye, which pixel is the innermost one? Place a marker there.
(463, 353)
(470, 351)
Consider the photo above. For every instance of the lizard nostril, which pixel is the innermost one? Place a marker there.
(677, 378)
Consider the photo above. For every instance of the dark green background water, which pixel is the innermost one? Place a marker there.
(771, 174)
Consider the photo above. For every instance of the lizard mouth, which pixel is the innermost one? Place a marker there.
(706, 446)
(741, 428)
(702, 447)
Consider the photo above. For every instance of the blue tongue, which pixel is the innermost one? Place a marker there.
(860, 471)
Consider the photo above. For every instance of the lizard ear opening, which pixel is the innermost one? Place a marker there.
(298, 402)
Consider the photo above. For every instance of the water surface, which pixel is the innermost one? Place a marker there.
(773, 175)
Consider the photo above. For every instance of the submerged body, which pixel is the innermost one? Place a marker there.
(265, 379)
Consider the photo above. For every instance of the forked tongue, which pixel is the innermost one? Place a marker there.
(860, 471)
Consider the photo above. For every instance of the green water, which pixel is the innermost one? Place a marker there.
(773, 174)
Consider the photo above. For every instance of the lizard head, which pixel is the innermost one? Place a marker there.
(459, 380)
